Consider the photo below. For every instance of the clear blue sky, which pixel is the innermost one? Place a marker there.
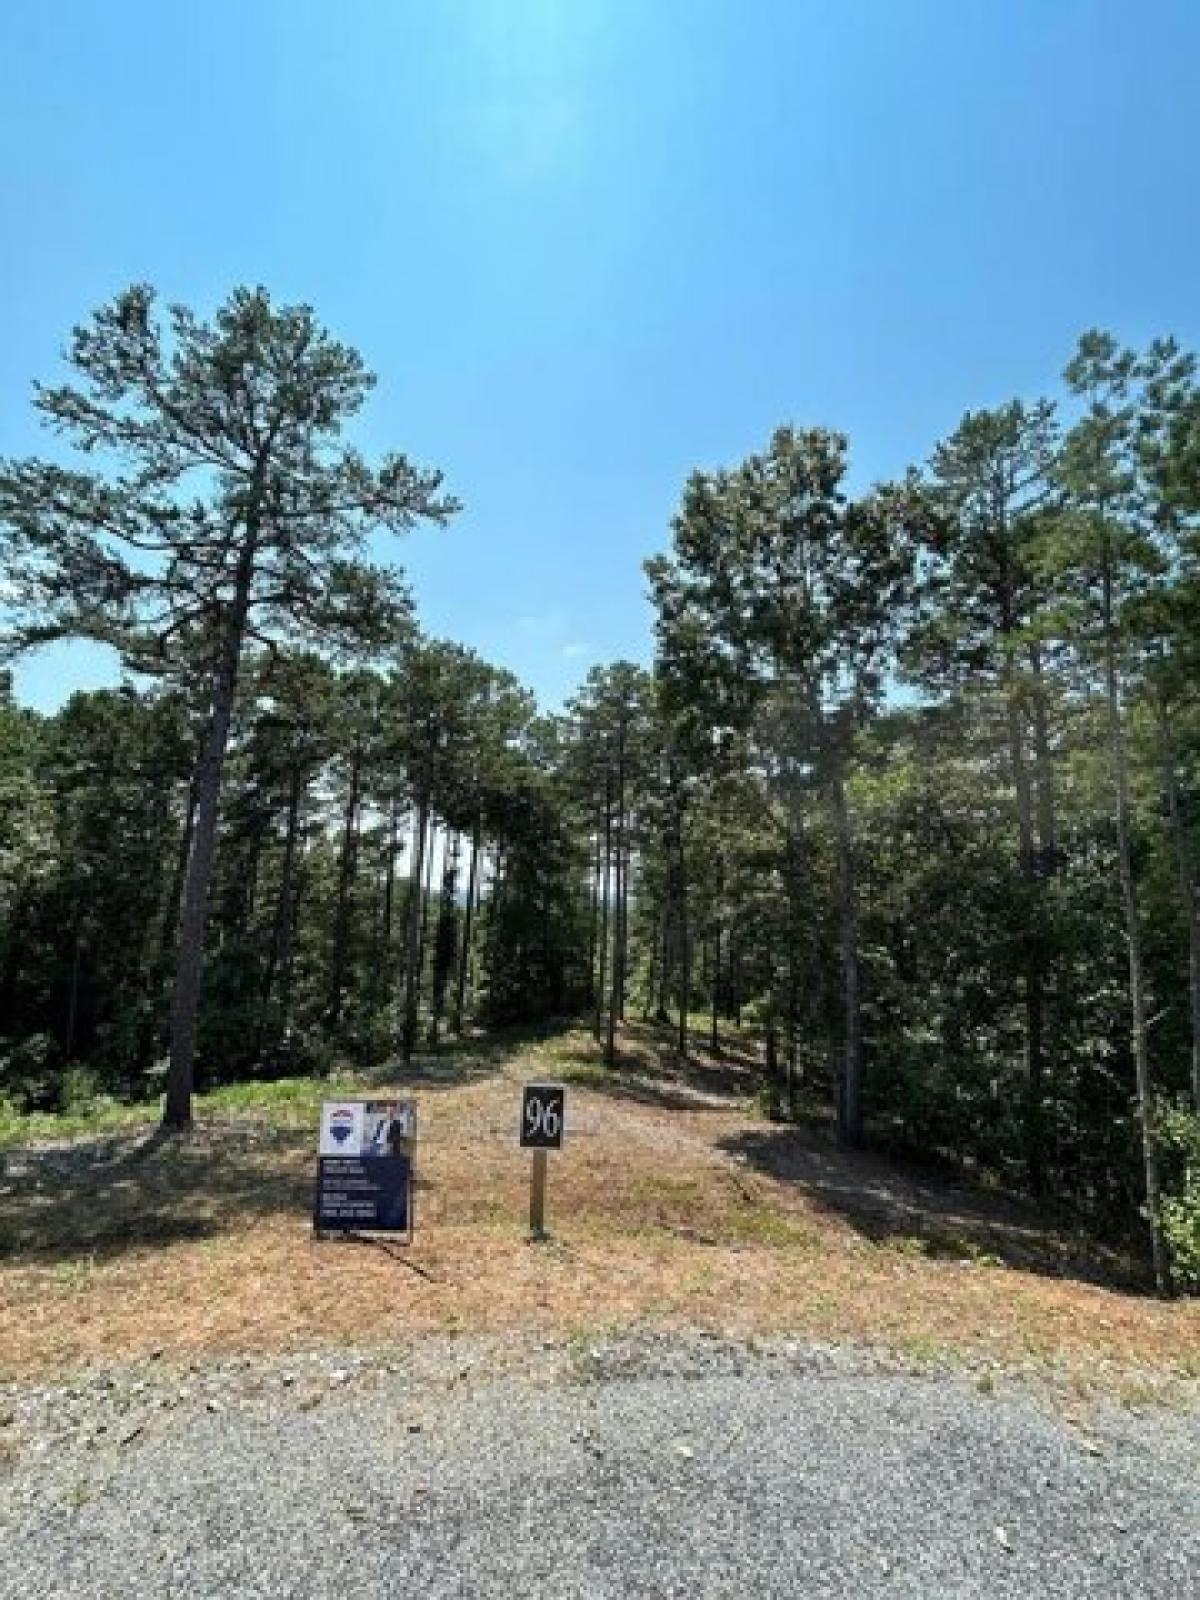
(590, 244)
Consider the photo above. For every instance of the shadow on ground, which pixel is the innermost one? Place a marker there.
(932, 1218)
(125, 1191)
(107, 1194)
(931, 1215)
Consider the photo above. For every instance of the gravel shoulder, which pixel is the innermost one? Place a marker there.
(641, 1465)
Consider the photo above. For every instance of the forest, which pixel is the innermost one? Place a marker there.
(909, 797)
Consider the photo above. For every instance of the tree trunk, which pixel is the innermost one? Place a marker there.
(337, 978)
(793, 1031)
(381, 942)
(283, 903)
(614, 997)
(1043, 766)
(497, 880)
(387, 914)
(426, 901)
(14, 943)
(389, 882)
(714, 1038)
(685, 958)
(626, 864)
(772, 1064)
(616, 1000)
(604, 899)
(1188, 896)
(1047, 866)
(408, 1030)
(1033, 984)
(73, 991)
(652, 976)
(594, 923)
(661, 1014)
(171, 910)
(714, 966)
(1133, 938)
(253, 873)
(445, 955)
(291, 911)
(189, 961)
(464, 954)
(850, 1119)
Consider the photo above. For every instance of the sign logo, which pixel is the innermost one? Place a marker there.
(341, 1124)
(342, 1128)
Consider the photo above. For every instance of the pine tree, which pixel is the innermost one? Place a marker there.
(232, 507)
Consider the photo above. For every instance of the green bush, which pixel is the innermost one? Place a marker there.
(1179, 1137)
(30, 1072)
(10, 1118)
(78, 1090)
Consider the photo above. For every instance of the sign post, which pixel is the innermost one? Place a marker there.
(537, 1197)
(543, 1114)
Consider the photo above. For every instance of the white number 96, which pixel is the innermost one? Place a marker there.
(542, 1118)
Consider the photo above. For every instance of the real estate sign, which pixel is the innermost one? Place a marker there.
(365, 1163)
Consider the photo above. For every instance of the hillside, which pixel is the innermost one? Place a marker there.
(675, 1204)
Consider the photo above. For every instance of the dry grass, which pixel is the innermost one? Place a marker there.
(674, 1203)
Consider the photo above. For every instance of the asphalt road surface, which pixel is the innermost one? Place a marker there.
(708, 1476)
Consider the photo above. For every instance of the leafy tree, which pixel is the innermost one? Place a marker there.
(611, 753)
(786, 596)
(227, 505)
(1103, 550)
(982, 631)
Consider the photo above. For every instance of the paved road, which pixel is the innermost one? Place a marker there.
(746, 1479)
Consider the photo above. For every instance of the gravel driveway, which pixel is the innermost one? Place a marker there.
(663, 1468)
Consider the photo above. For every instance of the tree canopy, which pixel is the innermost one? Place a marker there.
(907, 801)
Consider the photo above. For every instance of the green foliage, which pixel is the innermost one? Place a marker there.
(861, 819)
(1179, 1135)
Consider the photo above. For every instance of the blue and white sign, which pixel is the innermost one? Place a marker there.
(365, 1166)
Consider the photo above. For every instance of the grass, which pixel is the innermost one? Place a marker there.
(294, 1097)
(673, 1203)
(95, 1117)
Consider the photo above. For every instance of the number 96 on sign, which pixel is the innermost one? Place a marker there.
(543, 1112)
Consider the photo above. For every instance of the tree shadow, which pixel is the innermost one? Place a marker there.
(106, 1196)
(115, 1193)
(385, 1247)
(906, 1208)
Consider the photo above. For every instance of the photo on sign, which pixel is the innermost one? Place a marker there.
(388, 1128)
(367, 1128)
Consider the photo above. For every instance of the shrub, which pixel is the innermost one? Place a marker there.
(30, 1072)
(1179, 1137)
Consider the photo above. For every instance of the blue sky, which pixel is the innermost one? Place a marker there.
(589, 245)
